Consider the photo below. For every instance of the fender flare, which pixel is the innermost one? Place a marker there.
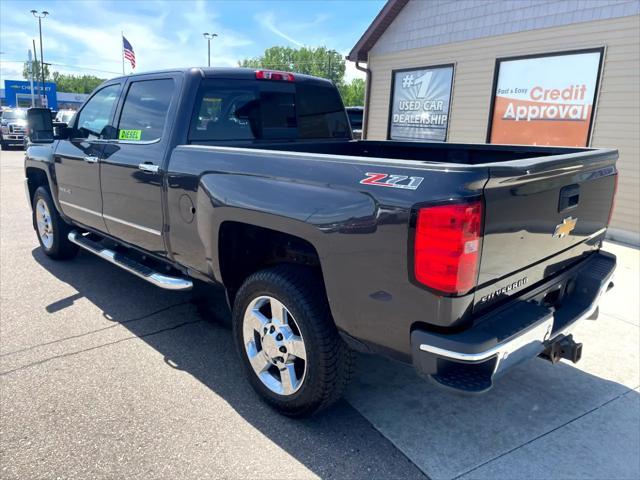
(41, 157)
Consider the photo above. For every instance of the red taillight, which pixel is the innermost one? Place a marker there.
(613, 200)
(273, 75)
(447, 246)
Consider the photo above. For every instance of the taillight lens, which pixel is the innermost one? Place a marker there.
(447, 246)
(274, 75)
(613, 200)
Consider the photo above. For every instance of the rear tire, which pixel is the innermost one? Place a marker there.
(51, 229)
(315, 366)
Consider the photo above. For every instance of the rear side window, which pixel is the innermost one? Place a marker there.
(145, 110)
(228, 110)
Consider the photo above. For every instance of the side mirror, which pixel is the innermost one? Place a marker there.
(40, 125)
(61, 131)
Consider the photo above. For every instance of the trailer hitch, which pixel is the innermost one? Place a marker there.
(563, 347)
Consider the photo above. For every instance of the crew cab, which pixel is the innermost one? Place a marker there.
(462, 259)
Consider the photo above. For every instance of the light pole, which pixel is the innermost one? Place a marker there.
(40, 16)
(209, 37)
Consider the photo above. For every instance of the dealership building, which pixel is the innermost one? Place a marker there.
(18, 93)
(510, 72)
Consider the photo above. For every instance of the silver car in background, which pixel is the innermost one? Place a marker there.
(13, 127)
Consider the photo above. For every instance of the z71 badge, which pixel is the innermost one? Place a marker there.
(392, 181)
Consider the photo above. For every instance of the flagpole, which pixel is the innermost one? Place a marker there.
(122, 46)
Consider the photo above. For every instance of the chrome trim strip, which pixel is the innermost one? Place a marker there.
(113, 219)
(133, 225)
(540, 332)
(595, 234)
(158, 279)
(82, 209)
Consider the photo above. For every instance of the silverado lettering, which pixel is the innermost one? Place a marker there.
(504, 290)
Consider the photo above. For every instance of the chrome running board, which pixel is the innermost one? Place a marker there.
(130, 265)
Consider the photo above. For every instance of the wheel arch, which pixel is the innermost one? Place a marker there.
(36, 177)
(244, 248)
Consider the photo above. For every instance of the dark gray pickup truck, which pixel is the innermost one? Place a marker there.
(463, 260)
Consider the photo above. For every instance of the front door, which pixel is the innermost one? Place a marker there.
(77, 166)
(131, 165)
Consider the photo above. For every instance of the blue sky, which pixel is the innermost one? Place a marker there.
(84, 36)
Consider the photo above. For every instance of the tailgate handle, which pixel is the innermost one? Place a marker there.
(569, 197)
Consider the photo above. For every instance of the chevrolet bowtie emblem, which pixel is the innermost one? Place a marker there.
(565, 228)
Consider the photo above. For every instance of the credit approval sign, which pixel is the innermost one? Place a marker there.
(545, 100)
(420, 99)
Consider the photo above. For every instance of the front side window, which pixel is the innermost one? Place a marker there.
(96, 114)
(145, 110)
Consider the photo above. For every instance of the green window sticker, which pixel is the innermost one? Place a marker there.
(130, 135)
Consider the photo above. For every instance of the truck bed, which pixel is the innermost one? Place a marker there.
(432, 152)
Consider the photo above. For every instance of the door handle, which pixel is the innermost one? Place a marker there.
(149, 167)
(91, 159)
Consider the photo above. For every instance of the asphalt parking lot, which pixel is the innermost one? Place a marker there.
(105, 376)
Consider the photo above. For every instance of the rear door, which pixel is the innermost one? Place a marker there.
(77, 159)
(131, 166)
(546, 212)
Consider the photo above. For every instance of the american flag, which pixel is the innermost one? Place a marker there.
(128, 52)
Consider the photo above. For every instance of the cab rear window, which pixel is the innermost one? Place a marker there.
(232, 110)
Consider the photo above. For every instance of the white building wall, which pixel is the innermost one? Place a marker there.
(617, 120)
(425, 23)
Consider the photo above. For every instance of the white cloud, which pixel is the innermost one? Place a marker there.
(267, 20)
(163, 35)
(84, 36)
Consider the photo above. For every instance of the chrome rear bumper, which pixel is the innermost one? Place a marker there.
(517, 332)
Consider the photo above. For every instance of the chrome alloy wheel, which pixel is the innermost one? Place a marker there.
(274, 345)
(43, 220)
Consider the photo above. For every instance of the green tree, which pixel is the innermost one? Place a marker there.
(319, 61)
(26, 71)
(353, 93)
(76, 83)
(64, 82)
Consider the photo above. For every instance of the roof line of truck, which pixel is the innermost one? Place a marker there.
(221, 72)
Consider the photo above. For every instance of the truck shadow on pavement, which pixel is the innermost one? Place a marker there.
(338, 442)
(444, 434)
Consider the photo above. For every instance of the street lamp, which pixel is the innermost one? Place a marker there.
(209, 37)
(40, 16)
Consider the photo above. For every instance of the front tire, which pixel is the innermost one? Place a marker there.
(290, 348)
(51, 229)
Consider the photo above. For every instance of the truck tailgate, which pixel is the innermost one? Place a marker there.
(543, 212)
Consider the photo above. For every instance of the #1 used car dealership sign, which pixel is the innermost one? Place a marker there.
(545, 100)
(420, 103)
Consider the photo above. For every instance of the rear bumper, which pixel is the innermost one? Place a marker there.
(521, 330)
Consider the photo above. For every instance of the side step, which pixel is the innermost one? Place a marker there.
(130, 265)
